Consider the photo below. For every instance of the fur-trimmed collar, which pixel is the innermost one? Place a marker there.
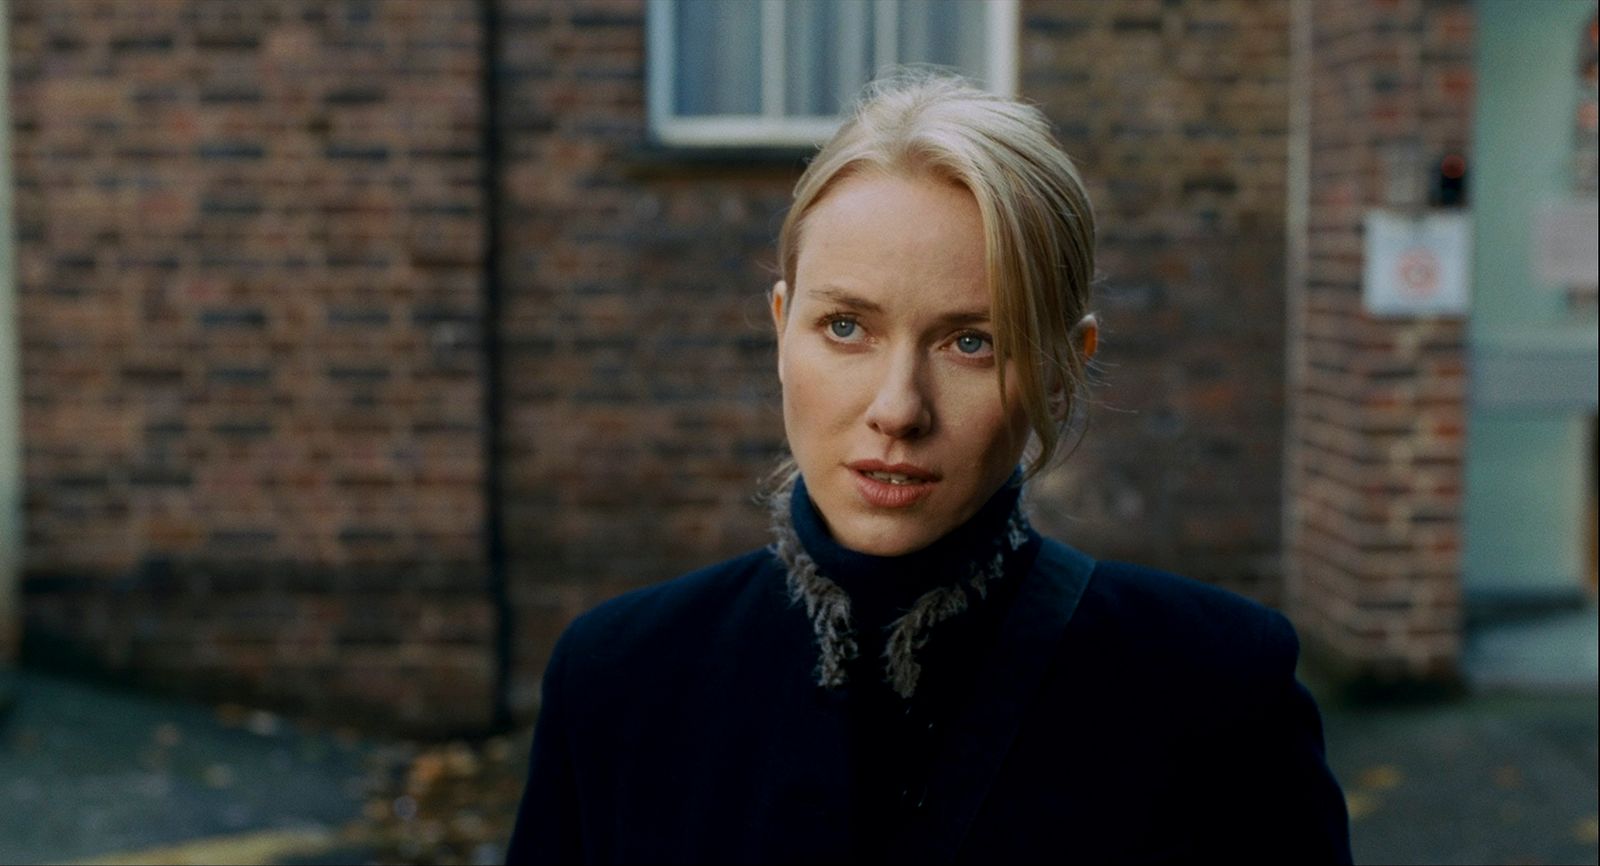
(827, 604)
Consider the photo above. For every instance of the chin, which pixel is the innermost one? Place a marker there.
(885, 536)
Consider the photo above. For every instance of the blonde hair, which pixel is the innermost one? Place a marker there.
(1038, 225)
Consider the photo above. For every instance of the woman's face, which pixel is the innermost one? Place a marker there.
(886, 354)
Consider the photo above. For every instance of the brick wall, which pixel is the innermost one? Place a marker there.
(250, 237)
(248, 244)
(640, 387)
(1177, 114)
(1378, 405)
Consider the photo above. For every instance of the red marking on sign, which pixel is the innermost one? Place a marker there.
(1419, 273)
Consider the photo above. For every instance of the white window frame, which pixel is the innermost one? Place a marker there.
(771, 128)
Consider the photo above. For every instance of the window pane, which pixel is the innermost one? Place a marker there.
(718, 57)
(828, 45)
(946, 32)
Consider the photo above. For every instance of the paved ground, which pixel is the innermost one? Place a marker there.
(88, 772)
(99, 775)
(1508, 776)
(1496, 779)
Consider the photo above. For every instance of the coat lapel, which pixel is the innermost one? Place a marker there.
(981, 735)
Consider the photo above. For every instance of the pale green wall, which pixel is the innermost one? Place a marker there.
(1526, 483)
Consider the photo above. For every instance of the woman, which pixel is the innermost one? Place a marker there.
(910, 672)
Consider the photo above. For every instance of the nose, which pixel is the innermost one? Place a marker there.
(901, 408)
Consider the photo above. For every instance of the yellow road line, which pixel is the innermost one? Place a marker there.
(263, 846)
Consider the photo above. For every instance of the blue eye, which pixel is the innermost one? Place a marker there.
(844, 329)
(971, 344)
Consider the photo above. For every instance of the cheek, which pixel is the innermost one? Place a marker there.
(986, 423)
(815, 394)
(971, 401)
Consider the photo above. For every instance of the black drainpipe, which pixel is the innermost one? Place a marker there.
(493, 496)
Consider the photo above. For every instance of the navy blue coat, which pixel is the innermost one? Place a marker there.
(1125, 715)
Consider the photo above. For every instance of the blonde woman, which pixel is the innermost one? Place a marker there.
(910, 672)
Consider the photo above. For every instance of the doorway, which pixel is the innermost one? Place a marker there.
(1528, 570)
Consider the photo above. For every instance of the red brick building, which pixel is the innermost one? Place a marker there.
(364, 344)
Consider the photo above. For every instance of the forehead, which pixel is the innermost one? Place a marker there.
(910, 242)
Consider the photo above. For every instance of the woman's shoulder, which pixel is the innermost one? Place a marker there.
(689, 593)
(1166, 616)
(664, 615)
(1157, 590)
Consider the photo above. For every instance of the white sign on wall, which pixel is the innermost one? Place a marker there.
(1417, 264)
(1566, 243)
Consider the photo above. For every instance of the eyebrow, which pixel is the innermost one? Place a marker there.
(856, 302)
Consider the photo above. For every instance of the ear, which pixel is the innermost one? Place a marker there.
(1086, 334)
(779, 298)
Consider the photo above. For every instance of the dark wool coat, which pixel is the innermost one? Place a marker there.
(1124, 715)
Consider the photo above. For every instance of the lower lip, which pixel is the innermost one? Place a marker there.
(882, 494)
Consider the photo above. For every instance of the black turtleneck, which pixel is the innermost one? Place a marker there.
(894, 739)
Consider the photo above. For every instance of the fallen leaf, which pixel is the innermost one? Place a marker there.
(1508, 777)
(232, 715)
(1380, 778)
(1360, 805)
(425, 770)
(431, 832)
(167, 735)
(26, 740)
(152, 759)
(461, 760)
(469, 825)
(1510, 813)
(451, 803)
(218, 776)
(498, 750)
(262, 723)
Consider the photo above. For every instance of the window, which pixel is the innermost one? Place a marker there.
(780, 72)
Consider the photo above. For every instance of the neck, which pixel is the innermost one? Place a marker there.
(945, 559)
(845, 590)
